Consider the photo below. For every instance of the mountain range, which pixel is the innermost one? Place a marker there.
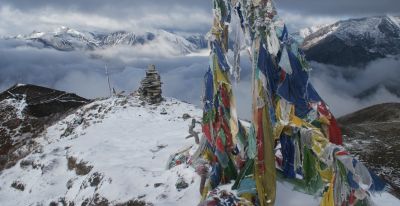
(348, 48)
(353, 42)
(68, 39)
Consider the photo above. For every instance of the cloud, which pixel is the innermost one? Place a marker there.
(25, 16)
(123, 8)
(296, 21)
(84, 74)
(339, 86)
(340, 7)
(20, 16)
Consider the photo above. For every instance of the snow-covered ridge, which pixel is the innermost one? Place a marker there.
(395, 20)
(305, 32)
(68, 39)
(347, 30)
(111, 150)
(354, 42)
(328, 31)
(114, 151)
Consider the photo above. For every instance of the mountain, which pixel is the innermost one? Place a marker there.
(68, 39)
(199, 40)
(25, 110)
(373, 134)
(305, 32)
(117, 151)
(353, 42)
(63, 39)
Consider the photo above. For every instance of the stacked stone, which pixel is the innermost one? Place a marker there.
(150, 89)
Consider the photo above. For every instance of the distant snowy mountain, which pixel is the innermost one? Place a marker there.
(353, 42)
(305, 32)
(198, 39)
(63, 39)
(67, 39)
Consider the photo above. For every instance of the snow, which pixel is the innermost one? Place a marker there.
(181, 43)
(359, 27)
(33, 35)
(395, 20)
(127, 144)
(19, 106)
(303, 33)
(118, 146)
(314, 41)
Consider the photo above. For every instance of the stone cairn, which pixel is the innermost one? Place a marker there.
(150, 86)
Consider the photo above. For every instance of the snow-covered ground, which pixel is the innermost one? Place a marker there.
(115, 150)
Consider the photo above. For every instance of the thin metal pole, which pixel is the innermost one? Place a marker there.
(108, 80)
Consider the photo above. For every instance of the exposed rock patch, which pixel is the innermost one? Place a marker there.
(18, 185)
(81, 168)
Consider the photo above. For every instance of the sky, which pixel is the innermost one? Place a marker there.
(24, 16)
(182, 76)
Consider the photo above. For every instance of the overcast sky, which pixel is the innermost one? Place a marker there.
(23, 16)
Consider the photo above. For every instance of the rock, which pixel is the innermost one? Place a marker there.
(70, 183)
(163, 111)
(186, 116)
(95, 179)
(26, 163)
(3, 160)
(158, 185)
(81, 168)
(181, 184)
(18, 185)
(135, 203)
(96, 201)
(150, 89)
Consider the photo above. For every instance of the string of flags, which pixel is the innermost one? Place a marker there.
(292, 135)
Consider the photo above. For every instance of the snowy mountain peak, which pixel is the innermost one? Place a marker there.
(64, 29)
(358, 41)
(395, 20)
(34, 34)
(68, 39)
(305, 32)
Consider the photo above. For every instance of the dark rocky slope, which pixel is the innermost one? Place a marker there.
(373, 134)
(25, 110)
